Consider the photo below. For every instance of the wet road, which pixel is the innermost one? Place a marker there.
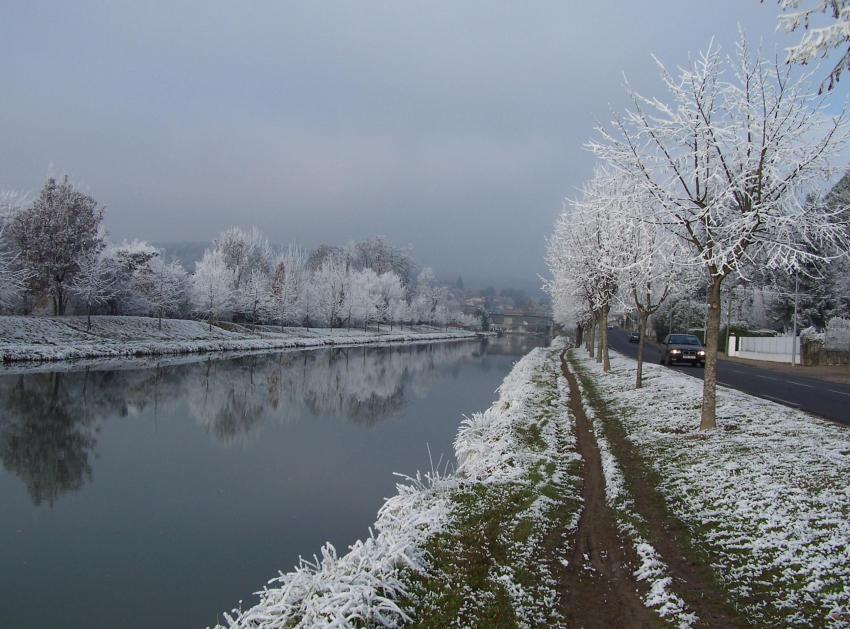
(827, 399)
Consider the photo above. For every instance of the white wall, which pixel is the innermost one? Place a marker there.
(771, 348)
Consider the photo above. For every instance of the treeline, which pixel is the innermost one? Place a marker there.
(55, 257)
(717, 184)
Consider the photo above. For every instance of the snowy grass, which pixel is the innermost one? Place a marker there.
(456, 549)
(765, 496)
(514, 512)
(67, 338)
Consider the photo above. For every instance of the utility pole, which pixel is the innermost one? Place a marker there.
(794, 336)
(670, 325)
(729, 317)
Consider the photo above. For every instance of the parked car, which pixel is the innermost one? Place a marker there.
(634, 337)
(683, 348)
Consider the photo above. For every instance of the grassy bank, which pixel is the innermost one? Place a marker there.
(477, 546)
(518, 499)
(762, 502)
(69, 338)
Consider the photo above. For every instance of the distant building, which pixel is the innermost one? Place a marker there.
(521, 322)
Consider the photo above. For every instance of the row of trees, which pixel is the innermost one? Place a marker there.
(54, 252)
(365, 282)
(719, 182)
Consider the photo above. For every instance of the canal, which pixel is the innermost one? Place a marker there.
(161, 496)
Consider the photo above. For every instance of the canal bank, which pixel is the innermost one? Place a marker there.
(51, 339)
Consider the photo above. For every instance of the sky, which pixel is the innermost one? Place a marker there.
(455, 127)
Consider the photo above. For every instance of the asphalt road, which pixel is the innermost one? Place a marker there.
(827, 399)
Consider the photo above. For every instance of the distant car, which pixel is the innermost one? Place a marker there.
(683, 348)
(634, 337)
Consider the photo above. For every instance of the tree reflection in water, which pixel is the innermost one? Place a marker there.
(49, 421)
(46, 435)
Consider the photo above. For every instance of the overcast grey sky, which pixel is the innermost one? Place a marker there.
(453, 126)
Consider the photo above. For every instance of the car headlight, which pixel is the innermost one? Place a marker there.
(701, 352)
(675, 351)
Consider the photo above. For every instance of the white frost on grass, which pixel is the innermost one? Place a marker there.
(765, 494)
(364, 586)
(523, 445)
(68, 338)
(652, 569)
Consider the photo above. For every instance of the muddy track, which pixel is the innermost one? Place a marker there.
(599, 589)
(693, 579)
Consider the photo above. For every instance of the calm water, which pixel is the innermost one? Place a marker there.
(160, 497)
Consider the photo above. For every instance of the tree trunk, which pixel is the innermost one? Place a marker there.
(606, 359)
(591, 336)
(708, 419)
(88, 318)
(579, 334)
(599, 324)
(641, 346)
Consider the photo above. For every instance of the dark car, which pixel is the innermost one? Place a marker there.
(683, 348)
(634, 337)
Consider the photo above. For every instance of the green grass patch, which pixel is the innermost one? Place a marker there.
(490, 567)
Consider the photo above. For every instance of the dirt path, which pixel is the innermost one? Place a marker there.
(693, 579)
(599, 589)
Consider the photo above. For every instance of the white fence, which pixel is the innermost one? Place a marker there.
(773, 348)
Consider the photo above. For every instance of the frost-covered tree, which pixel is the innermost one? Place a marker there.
(253, 299)
(329, 285)
(323, 251)
(400, 312)
(363, 297)
(133, 254)
(390, 295)
(13, 279)
(212, 286)
(728, 164)
(585, 252)
(163, 287)
(244, 252)
(93, 284)
(429, 297)
(129, 262)
(381, 256)
(648, 267)
(822, 40)
(52, 235)
(289, 285)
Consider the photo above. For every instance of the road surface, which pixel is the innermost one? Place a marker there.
(827, 399)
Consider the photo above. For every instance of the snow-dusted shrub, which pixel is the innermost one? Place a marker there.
(811, 336)
(837, 335)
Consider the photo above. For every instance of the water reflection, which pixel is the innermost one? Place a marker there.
(49, 422)
(47, 435)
